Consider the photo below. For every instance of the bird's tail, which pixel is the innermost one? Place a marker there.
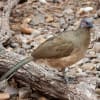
(14, 68)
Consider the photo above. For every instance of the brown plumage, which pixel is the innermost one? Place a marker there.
(65, 49)
(62, 50)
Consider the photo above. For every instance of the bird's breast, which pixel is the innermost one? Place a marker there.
(60, 63)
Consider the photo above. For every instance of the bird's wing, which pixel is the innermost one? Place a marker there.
(55, 47)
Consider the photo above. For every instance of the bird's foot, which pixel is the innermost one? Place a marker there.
(69, 79)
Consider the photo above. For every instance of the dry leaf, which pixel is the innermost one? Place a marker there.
(49, 18)
(4, 96)
(24, 28)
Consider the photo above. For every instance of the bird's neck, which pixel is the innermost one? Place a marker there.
(84, 36)
(83, 32)
(86, 31)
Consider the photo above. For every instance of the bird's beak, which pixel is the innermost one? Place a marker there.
(93, 25)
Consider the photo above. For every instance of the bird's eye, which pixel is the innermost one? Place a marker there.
(87, 23)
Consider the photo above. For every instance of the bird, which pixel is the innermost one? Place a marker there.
(62, 50)
(67, 48)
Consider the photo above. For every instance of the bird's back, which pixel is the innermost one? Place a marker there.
(55, 47)
(63, 44)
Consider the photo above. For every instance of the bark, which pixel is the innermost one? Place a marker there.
(5, 32)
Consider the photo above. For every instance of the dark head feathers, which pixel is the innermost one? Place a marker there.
(86, 23)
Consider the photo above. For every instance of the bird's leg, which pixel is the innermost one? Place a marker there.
(68, 78)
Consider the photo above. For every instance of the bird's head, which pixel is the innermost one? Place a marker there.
(86, 23)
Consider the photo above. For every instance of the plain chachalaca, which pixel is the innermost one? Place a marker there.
(62, 50)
